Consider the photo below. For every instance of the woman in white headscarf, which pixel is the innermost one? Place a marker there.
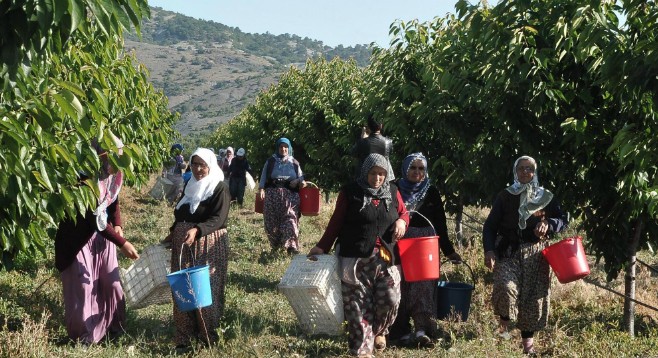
(523, 217)
(199, 230)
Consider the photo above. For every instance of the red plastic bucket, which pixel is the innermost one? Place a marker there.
(309, 200)
(420, 258)
(258, 207)
(567, 259)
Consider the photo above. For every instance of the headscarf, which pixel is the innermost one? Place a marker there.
(109, 185)
(533, 196)
(413, 193)
(197, 191)
(278, 143)
(381, 193)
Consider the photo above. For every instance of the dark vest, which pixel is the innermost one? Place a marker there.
(509, 232)
(361, 228)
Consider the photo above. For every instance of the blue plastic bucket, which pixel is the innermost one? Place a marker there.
(191, 287)
(454, 297)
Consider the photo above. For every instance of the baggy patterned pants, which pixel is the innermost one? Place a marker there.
(281, 218)
(521, 287)
(371, 304)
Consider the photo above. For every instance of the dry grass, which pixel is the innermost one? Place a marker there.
(585, 320)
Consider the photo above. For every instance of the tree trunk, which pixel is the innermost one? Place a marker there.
(629, 287)
(459, 217)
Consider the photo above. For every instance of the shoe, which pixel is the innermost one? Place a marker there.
(503, 329)
(528, 346)
(380, 343)
(424, 341)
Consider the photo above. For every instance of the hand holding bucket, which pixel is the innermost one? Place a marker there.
(567, 259)
(191, 286)
(420, 256)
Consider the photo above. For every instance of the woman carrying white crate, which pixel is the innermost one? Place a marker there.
(369, 218)
(199, 230)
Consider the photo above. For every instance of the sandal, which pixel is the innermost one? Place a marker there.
(380, 343)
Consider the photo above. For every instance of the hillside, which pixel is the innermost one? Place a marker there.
(211, 71)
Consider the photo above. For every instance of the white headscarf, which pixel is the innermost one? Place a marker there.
(197, 191)
(533, 196)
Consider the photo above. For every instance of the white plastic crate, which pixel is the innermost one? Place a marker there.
(313, 289)
(145, 281)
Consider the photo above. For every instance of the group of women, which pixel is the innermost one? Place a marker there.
(371, 214)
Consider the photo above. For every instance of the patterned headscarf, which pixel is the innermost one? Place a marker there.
(381, 193)
(413, 193)
(197, 191)
(533, 196)
(109, 185)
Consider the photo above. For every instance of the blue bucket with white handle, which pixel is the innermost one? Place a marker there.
(191, 287)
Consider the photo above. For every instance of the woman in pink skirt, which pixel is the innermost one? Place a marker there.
(85, 255)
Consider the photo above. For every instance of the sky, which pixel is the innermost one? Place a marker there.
(334, 22)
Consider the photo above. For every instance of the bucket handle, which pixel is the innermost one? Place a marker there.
(426, 219)
(461, 262)
(312, 183)
(180, 258)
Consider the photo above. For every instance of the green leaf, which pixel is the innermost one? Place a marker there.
(69, 103)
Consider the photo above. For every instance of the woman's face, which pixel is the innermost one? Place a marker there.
(283, 149)
(199, 168)
(525, 171)
(376, 177)
(416, 172)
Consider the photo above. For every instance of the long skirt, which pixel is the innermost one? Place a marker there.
(370, 300)
(94, 304)
(212, 250)
(521, 287)
(418, 299)
(281, 218)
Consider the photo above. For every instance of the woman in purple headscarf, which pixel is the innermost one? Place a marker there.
(85, 255)
(427, 218)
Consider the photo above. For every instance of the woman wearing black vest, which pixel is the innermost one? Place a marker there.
(369, 218)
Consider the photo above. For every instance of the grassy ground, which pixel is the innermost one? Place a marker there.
(259, 322)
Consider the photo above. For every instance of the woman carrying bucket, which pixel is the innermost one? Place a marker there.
(516, 231)
(369, 218)
(199, 230)
(279, 187)
(418, 299)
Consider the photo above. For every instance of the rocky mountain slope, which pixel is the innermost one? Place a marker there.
(210, 71)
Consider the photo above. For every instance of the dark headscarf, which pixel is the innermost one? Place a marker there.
(413, 193)
(381, 193)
